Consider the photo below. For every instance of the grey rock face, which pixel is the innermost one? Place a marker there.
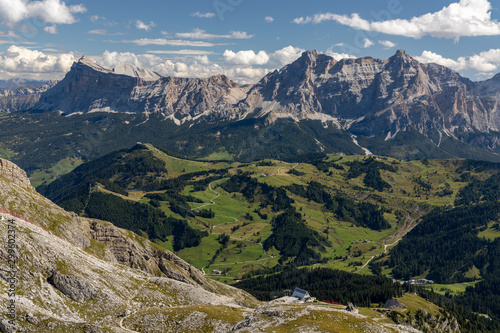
(89, 88)
(393, 304)
(366, 95)
(73, 287)
(13, 173)
(372, 95)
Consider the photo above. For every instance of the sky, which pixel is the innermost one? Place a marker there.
(243, 39)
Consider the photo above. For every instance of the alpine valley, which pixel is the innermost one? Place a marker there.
(145, 203)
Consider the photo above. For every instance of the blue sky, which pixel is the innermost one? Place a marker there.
(241, 38)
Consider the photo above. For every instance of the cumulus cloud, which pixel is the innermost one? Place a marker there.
(183, 52)
(431, 57)
(387, 44)
(241, 35)
(339, 56)
(49, 11)
(269, 19)
(22, 62)
(202, 34)
(111, 59)
(51, 29)
(248, 57)
(463, 18)
(199, 66)
(287, 54)
(367, 43)
(143, 26)
(486, 62)
(203, 15)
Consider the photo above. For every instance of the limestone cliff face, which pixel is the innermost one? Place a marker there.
(13, 173)
(89, 87)
(372, 95)
(366, 96)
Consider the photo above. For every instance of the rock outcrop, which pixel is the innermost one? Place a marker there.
(13, 173)
(73, 287)
(393, 304)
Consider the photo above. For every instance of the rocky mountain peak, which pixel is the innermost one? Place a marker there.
(13, 173)
(138, 72)
(312, 58)
(401, 57)
(85, 61)
(401, 54)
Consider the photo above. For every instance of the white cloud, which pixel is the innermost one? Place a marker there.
(367, 43)
(431, 57)
(387, 44)
(287, 54)
(269, 19)
(95, 18)
(202, 34)
(49, 11)
(22, 62)
(248, 57)
(104, 32)
(98, 32)
(184, 52)
(111, 59)
(26, 63)
(241, 35)
(484, 62)
(102, 20)
(463, 18)
(51, 29)
(172, 42)
(203, 15)
(143, 26)
(339, 56)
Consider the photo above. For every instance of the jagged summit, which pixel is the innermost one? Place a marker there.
(86, 61)
(366, 95)
(141, 73)
(89, 87)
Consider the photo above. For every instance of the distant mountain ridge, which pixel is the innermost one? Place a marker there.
(366, 95)
(20, 94)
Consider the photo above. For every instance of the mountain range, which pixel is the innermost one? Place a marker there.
(19, 94)
(394, 107)
(367, 96)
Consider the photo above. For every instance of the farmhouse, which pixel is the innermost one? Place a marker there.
(301, 294)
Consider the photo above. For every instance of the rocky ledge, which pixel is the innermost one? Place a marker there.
(13, 173)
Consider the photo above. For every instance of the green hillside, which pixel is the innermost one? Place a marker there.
(238, 220)
(349, 209)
